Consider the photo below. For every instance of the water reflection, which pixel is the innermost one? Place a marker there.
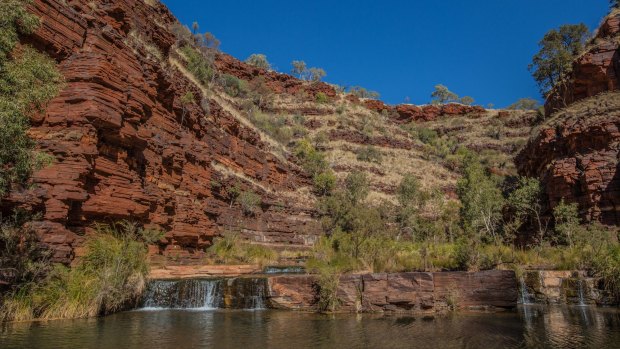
(528, 327)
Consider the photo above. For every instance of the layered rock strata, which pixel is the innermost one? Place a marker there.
(401, 292)
(127, 147)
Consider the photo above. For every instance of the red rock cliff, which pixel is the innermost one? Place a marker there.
(595, 71)
(576, 153)
(122, 151)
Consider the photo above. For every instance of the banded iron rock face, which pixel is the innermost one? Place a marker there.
(127, 148)
(577, 154)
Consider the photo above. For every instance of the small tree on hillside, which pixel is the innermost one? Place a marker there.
(316, 74)
(299, 69)
(258, 60)
(467, 100)
(443, 95)
(558, 48)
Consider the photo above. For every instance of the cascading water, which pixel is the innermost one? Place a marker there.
(580, 290)
(526, 298)
(206, 294)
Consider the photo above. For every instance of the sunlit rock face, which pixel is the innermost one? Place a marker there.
(576, 152)
(416, 292)
(126, 147)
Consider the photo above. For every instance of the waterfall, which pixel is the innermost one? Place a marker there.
(580, 288)
(526, 298)
(206, 294)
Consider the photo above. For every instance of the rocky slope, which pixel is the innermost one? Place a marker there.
(576, 152)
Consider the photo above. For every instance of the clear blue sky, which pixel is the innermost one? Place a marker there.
(399, 48)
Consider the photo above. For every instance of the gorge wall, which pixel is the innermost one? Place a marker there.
(576, 152)
(126, 147)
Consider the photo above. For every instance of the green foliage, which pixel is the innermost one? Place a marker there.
(324, 182)
(233, 86)
(357, 186)
(15, 20)
(107, 278)
(321, 97)
(361, 92)
(311, 159)
(467, 100)
(301, 70)
(369, 154)
(567, 226)
(427, 135)
(408, 190)
(198, 65)
(258, 60)
(250, 202)
(525, 204)
(27, 81)
(274, 125)
(316, 74)
(558, 49)
(614, 3)
(482, 201)
(525, 104)
(230, 249)
(442, 95)
(23, 261)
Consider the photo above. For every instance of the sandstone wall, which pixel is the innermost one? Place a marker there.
(126, 147)
(402, 292)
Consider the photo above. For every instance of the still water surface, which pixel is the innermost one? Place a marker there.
(527, 327)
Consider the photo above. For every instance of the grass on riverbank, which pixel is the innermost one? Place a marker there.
(109, 277)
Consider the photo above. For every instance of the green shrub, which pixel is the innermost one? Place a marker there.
(258, 60)
(311, 159)
(234, 86)
(361, 92)
(274, 125)
(324, 182)
(426, 135)
(230, 249)
(250, 202)
(109, 277)
(369, 154)
(321, 97)
(198, 65)
(16, 20)
(27, 81)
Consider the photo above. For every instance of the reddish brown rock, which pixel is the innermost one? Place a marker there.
(402, 292)
(405, 113)
(277, 82)
(595, 71)
(125, 148)
(578, 161)
(360, 138)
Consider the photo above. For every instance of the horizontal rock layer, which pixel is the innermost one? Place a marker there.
(402, 292)
(126, 147)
